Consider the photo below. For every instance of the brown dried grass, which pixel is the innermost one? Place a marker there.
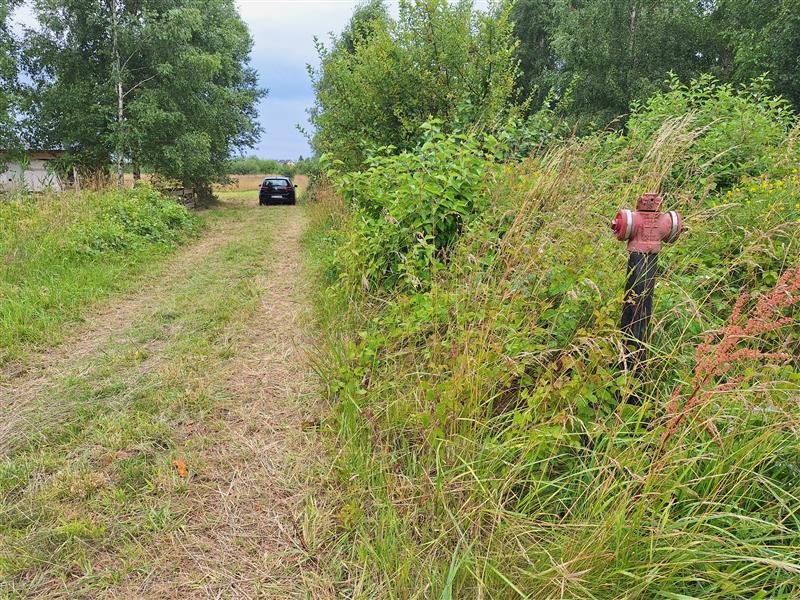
(242, 183)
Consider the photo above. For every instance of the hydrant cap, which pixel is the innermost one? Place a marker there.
(676, 226)
(623, 225)
(649, 202)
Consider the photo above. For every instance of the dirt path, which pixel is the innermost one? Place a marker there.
(165, 446)
(243, 537)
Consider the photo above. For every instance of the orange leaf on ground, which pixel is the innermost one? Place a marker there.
(181, 467)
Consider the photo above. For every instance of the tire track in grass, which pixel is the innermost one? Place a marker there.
(23, 387)
(243, 537)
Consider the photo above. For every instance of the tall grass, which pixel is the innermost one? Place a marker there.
(487, 442)
(62, 252)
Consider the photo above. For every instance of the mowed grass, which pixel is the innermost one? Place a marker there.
(95, 487)
(63, 253)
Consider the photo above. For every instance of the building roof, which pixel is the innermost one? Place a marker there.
(38, 154)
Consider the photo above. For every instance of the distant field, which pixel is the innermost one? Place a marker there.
(241, 183)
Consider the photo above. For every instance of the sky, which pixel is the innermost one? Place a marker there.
(283, 32)
(283, 35)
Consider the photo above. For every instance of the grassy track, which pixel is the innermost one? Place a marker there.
(64, 253)
(105, 478)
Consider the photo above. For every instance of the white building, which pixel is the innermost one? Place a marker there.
(36, 173)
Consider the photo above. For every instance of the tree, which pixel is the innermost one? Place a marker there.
(8, 77)
(196, 105)
(534, 26)
(377, 86)
(611, 52)
(165, 83)
(762, 36)
(72, 97)
(117, 78)
(366, 19)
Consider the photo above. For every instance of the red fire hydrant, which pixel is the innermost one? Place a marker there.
(648, 227)
(644, 230)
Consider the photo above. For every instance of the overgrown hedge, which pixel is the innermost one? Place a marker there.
(488, 443)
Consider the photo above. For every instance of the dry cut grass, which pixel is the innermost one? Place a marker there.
(161, 451)
(241, 183)
(251, 183)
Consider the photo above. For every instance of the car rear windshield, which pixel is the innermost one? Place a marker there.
(277, 182)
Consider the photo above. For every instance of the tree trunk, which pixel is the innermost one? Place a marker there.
(631, 62)
(137, 173)
(119, 149)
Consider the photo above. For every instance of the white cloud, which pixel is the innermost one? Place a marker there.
(23, 17)
(285, 29)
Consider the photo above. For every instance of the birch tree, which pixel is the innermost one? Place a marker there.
(612, 52)
(8, 76)
(160, 83)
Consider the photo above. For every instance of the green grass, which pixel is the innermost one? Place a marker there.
(64, 253)
(91, 488)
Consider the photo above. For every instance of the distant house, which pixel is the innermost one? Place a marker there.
(34, 173)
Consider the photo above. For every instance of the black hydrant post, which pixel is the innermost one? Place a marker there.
(637, 308)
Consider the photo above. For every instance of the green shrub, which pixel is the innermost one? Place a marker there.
(410, 208)
(385, 77)
(736, 132)
(131, 220)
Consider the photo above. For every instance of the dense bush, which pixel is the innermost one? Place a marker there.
(488, 442)
(410, 208)
(738, 132)
(127, 222)
(61, 252)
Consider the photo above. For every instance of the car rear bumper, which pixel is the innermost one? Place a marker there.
(265, 198)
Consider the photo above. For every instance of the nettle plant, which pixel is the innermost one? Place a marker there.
(410, 208)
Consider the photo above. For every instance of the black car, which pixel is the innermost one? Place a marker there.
(277, 190)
